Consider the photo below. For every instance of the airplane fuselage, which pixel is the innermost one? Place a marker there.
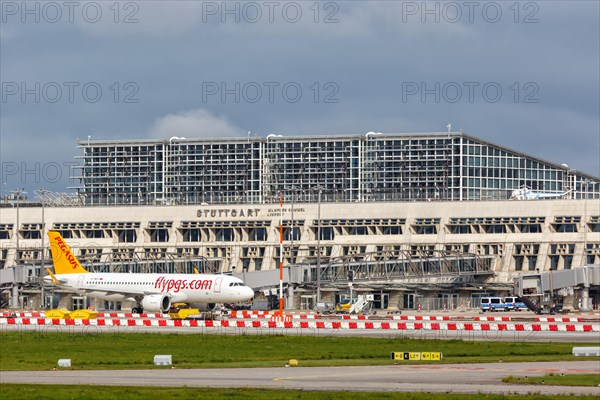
(188, 288)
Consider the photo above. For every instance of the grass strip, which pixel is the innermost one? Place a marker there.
(556, 380)
(40, 350)
(36, 392)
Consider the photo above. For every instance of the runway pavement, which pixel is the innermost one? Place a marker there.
(455, 378)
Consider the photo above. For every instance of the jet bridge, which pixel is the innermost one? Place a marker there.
(537, 290)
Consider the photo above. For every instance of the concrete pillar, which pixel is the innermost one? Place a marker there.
(585, 300)
(396, 298)
(15, 296)
(289, 300)
(569, 302)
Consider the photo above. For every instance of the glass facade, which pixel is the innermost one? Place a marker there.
(360, 168)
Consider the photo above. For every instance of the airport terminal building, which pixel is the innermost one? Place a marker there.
(417, 220)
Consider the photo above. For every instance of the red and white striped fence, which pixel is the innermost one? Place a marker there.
(375, 325)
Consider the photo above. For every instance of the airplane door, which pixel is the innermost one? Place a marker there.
(218, 285)
(80, 280)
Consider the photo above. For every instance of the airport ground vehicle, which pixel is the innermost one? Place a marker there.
(324, 307)
(513, 303)
(492, 304)
(344, 305)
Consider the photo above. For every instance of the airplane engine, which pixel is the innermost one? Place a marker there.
(156, 303)
(208, 306)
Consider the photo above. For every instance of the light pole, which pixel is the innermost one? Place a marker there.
(281, 256)
(17, 194)
(320, 189)
(293, 188)
(585, 181)
(42, 193)
(15, 295)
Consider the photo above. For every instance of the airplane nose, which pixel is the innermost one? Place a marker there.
(248, 293)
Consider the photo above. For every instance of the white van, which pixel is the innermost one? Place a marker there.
(492, 304)
(513, 303)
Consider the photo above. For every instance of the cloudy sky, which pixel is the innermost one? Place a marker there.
(521, 74)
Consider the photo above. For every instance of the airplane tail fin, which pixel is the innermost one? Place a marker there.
(64, 260)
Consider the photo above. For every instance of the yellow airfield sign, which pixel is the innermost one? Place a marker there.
(416, 356)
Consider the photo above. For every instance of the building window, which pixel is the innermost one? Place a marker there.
(563, 224)
(94, 234)
(564, 228)
(287, 234)
(391, 230)
(494, 228)
(66, 234)
(426, 230)
(530, 228)
(357, 230)
(159, 235)
(258, 234)
(31, 234)
(191, 235)
(554, 262)
(327, 233)
(460, 229)
(224, 234)
(532, 261)
(426, 226)
(127, 235)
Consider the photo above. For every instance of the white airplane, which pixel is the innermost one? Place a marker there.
(150, 292)
(527, 194)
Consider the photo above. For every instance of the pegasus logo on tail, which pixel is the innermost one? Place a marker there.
(63, 258)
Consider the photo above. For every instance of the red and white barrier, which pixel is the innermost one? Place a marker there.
(379, 325)
(34, 314)
(504, 318)
(558, 319)
(40, 314)
(422, 317)
(266, 315)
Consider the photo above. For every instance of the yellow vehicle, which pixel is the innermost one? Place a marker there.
(344, 305)
(180, 305)
(182, 311)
